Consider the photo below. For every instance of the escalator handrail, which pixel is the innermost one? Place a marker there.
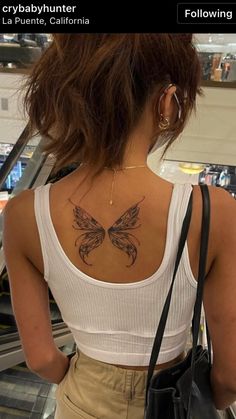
(232, 411)
(13, 337)
(14, 155)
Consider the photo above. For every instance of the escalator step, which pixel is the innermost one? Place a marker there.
(5, 287)
(6, 314)
(7, 319)
(5, 329)
(24, 374)
(25, 403)
(22, 393)
(9, 413)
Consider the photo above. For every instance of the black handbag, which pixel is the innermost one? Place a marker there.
(183, 391)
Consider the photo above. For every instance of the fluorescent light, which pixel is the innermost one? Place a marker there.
(191, 168)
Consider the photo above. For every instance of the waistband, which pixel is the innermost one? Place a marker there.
(116, 378)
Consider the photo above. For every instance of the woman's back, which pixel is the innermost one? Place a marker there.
(119, 307)
(141, 189)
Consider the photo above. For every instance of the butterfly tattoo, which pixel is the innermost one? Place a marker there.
(93, 236)
(119, 233)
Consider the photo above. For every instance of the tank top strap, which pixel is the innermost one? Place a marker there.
(181, 195)
(42, 211)
(178, 207)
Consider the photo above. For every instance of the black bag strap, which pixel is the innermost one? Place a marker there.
(198, 304)
(161, 327)
(201, 278)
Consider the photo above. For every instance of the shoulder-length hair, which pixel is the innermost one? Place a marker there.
(87, 91)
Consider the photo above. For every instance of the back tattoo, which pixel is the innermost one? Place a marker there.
(118, 233)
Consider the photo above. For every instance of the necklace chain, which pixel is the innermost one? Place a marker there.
(114, 175)
(126, 167)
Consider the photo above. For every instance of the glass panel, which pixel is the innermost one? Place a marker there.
(16, 173)
(195, 173)
(217, 52)
(22, 175)
(220, 176)
(218, 56)
(15, 51)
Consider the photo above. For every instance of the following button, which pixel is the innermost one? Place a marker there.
(205, 13)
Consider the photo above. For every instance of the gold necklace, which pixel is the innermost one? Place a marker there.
(114, 176)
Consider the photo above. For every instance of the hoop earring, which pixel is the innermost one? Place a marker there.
(164, 120)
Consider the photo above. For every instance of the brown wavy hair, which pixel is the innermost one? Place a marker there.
(87, 91)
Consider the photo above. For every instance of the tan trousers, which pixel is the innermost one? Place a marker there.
(95, 390)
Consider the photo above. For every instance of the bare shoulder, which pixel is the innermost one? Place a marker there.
(217, 195)
(221, 198)
(220, 289)
(222, 223)
(223, 205)
(20, 204)
(18, 215)
(223, 210)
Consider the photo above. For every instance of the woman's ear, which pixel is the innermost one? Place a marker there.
(167, 105)
(164, 105)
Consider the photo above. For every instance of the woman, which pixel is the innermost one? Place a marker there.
(104, 238)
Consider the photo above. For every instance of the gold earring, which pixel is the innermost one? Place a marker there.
(164, 122)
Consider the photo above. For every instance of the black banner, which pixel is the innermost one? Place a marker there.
(115, 16)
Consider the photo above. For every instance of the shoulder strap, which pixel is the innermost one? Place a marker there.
(41, 208)
(161, 327)
(202, 262)
(201, 278)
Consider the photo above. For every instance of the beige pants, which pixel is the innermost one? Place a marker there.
(95, 390)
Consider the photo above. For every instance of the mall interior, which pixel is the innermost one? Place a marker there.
(204, 154)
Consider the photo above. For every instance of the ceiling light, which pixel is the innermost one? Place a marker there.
(191, 168)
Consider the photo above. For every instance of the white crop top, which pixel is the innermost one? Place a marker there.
(116, 323)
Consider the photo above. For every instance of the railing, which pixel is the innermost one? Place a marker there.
(11, 352)
(37, 164)
(224, 84)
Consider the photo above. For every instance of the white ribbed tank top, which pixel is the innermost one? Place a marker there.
(116, 323)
